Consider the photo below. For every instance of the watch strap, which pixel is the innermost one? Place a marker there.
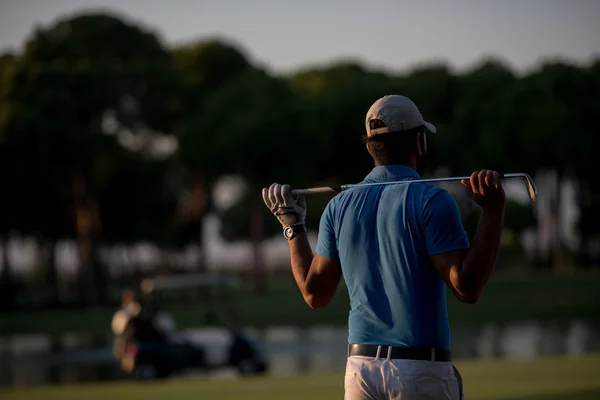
(299, 228)
(291, 231)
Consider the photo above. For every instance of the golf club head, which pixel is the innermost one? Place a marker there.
(531, 188)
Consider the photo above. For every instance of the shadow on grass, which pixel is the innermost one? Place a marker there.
(592, 394)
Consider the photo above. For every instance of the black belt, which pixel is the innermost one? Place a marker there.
(405, 353)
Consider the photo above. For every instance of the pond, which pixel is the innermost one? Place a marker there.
(29, 360)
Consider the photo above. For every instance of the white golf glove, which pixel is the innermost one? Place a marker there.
(279, 200)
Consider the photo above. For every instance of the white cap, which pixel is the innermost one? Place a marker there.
(399, 113)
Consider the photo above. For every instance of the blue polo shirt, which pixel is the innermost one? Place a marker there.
(383, 237)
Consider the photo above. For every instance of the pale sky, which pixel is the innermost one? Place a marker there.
(286, 35)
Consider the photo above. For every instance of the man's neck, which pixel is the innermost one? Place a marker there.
(409, 165)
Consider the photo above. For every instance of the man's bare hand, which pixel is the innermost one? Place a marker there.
(486, 189)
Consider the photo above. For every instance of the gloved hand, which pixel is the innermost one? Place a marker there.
(279, 200)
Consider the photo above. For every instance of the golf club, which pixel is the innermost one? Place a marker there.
(531, 188)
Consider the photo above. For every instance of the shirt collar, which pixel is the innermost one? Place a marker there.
(391, 172)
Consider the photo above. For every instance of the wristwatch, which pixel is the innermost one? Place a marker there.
(290, 231)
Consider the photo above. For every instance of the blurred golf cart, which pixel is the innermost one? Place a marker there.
(149, 346)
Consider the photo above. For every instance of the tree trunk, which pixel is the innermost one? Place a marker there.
(195, 206)
(256, 232)
(540, 253)
(8, 289)
(87, 228)
(52, 283)
(585, 256)
(557, 258)
(205, 205)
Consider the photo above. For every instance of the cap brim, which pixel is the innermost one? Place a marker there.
(430, 127)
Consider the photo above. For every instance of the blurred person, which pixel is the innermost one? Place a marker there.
(122, 320)
(397, 247)
(134, 323)
(130, 308)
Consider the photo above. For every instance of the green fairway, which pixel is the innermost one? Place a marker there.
(535, 298)
(543, 379)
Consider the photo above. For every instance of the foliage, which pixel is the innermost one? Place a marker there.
(86, 103)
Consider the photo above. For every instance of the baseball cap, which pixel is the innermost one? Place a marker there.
(398, 113)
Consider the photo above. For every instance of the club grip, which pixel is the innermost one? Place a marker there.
(324, 189)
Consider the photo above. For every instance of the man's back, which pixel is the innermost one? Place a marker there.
(383, 237)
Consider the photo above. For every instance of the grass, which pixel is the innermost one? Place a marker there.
(504, 300)
(543, 379)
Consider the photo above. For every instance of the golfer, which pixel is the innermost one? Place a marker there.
(397, 247)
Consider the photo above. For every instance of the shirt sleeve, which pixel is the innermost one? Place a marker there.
(443, 227)
(326, 241)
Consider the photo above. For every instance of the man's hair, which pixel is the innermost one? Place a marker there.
(392, 148)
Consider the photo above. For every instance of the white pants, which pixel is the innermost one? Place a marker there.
(378, 379)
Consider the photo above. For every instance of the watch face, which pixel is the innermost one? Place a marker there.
(288, 232)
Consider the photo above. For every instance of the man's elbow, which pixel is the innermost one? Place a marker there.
(316, 302)
(469, 298)
(467, 291)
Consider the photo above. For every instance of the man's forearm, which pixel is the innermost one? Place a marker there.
(301, 257)
(480, 260)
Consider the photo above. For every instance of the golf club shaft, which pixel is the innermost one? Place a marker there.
(532, 190)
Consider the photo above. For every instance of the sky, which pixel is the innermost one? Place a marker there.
(393, 35)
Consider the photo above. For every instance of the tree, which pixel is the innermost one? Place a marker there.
(81, 86)
(480, 134)
(203, 68)
(554, 135)
(258, 127)
(341, 95)
(584, 138)
(9, 199)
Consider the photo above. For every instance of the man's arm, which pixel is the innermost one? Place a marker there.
(466, 272)
(317, 277)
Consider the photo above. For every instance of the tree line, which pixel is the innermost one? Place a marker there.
(92, 104)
